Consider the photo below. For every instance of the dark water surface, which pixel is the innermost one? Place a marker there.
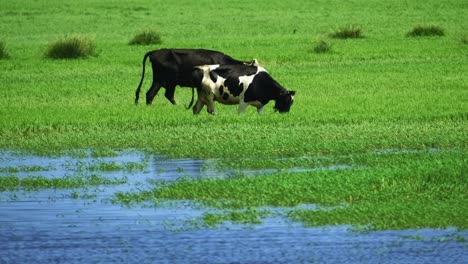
(53, 226)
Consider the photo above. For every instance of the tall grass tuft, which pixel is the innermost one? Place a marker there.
(346, 32)
(322, 46)
(71, 47)
(146, 37)
(425, 31)
(3, 51)
(465, 40)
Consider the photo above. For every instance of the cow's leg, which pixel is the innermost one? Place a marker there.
(211, 109)
(152, 92)
(260, 110)
(198, 106)
(169, 94)
(242, 106)
(210, 105)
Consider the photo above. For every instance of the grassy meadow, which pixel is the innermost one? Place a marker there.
(391, 104)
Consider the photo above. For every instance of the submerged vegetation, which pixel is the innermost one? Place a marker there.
(40, 182)
(249, 216)
(115, 166)
(23, 169)
(385, 191)
(390, 109)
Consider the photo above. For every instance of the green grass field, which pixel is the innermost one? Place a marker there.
(392, 106)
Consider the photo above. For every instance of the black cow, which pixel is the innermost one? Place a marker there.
(172, 67)
(239, 84)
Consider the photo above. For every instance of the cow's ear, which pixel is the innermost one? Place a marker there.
(292, 93)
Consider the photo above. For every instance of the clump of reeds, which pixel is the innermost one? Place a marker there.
(146, 37)
(347, 32)
(425, 31)
(71, 47)
(3, 51)
(322, 46)
(465, 40)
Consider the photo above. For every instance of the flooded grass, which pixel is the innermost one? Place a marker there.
(114, 166)
(24, 169)
(67, 182)
(373, 189)
(337, 206)
(378, 192)
(248, 216)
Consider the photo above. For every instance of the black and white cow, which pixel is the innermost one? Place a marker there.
(172, 67)
(239, 84)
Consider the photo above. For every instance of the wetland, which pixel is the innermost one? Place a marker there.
(87, 221)
(369, 166)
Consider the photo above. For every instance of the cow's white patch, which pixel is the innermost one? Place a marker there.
(207, 68)
(206, 81)
(217, 91)
(246, 80)
(243, 105)
(261, 69)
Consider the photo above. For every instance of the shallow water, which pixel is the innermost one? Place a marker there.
(49, 225)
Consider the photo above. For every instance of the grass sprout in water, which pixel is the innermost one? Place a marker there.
(40, 182)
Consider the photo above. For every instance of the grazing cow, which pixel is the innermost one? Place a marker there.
(172, 67)
(239, 84)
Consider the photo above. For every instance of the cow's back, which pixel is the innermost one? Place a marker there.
(174, 66)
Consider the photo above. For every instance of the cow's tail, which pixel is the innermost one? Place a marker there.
(137, 93)
(191, 102)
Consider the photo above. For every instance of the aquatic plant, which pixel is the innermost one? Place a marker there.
(106, 166)
(78, 195)
(106, 152)
(134, 166)
(67, 182)
(379, 194)
(248, 216)
(115, 166)
(23, 168)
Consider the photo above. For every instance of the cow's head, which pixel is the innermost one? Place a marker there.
(284, 102)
